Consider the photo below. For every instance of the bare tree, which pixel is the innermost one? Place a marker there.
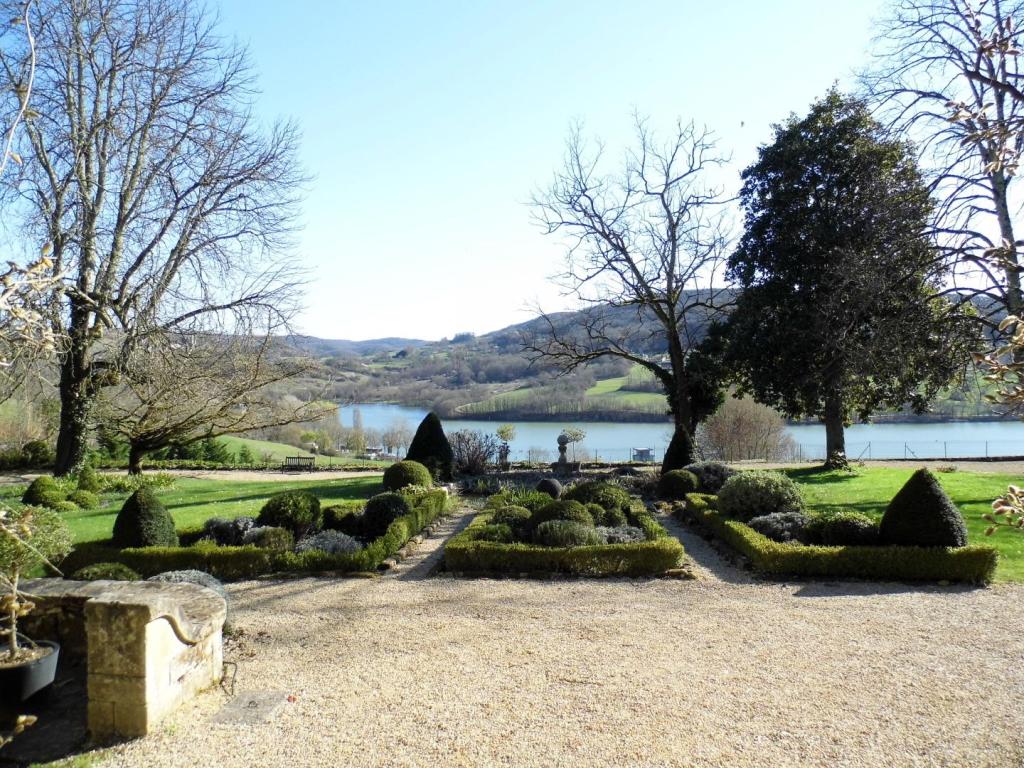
(742, 430)
(181, 389)
(166, 205)
(948, 73)
(645, 249)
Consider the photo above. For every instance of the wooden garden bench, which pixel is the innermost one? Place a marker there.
(298, 463)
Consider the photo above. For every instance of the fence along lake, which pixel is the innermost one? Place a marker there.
(615, 441)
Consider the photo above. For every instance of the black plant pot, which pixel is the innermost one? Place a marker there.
(19, 683)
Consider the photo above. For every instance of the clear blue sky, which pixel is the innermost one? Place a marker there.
(428, 124)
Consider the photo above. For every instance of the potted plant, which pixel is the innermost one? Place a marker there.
(30, 537)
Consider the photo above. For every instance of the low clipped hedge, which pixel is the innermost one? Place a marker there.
(467, 553)
(246, 562)
(972, 564)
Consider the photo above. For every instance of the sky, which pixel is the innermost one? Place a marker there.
(428, 125)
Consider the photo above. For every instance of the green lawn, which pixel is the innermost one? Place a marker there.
(869, 490)
(191, 501)
(278, 451)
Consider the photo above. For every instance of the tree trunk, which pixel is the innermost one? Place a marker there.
(76, 401)
(680, 450)
(135, 456)
(835, 436)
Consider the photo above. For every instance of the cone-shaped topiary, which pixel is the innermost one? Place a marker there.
(406, 473)
(431, 448)
(922, 515)
(44, 491)
(144, 522)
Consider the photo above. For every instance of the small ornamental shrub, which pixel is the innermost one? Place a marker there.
(38, 453)
(65, 507)
(298, 511)
(571, 511)
(711, 475)
(88, 480)
(269, 537)
(844, 529)
(105, 571)
(85, 499)
(621, 534)
(381, 511)
(922, 515)
(747, 495)
(531, 500)
(406, 473)
(550, 486)
(44, 491)
(516, 518)
(674, 485)
(599, 492)
(144, 522)
(782, 526)
(566, 533)
(331, 542)
(430, 447)
(610, 518)
(228, 533)
(500, 533)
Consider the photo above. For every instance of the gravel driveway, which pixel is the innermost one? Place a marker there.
(414, 671)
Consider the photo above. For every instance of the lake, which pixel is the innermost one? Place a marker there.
(614, 441)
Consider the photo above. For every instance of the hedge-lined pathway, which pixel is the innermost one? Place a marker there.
(427, 555)
(704, 561)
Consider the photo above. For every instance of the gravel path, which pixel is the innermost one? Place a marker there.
(456, 672)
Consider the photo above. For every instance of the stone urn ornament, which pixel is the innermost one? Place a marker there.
(562, 466)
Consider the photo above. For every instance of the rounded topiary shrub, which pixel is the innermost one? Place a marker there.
(566, 533)
(331, 542)
(64, 506)
(406, 473)
(89, 480)
(38, 453)
(753, 494)
(269, 537)
(711, 475)
(610, 518)
(782, 526)
(382, 510)
(499, 533)
(674, 485)
(563, 509)
(430, 447)
(85, 499)
(604, 494)
(144, 522)
(44, 491)
(105, 571)
(298, 511)
(550, 486)
(516, 518)
(922, 515)
(845, 529)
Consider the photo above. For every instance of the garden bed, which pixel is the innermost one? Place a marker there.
(230, 563)
(971, 564)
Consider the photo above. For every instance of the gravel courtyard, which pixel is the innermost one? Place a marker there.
(414, 671)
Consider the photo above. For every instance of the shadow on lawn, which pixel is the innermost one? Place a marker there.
(820, 475)
(326, 494)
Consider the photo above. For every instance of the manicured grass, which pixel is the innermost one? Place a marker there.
(192, 501)
(869, 490)
(278, 451)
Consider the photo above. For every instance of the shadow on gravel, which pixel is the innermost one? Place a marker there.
(878, 589)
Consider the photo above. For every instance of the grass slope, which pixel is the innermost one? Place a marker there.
(869, 491)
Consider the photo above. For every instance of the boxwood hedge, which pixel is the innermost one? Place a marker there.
(972, 564)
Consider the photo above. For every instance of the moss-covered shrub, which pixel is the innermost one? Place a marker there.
(406, 473)
(88, 480)
(298, 511)
(144, 522)
(674, 485)
(44, 491)
(711, 475)
(85, 499)
(563, 509)
(781, 526)
(430, 447)
(105, 571)
(753, 494)
(269, 537)
(382, 510)
(549, 486)
(331, 542)
(566, 533)
(604, 494)
(922, 515)
(842, 528)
